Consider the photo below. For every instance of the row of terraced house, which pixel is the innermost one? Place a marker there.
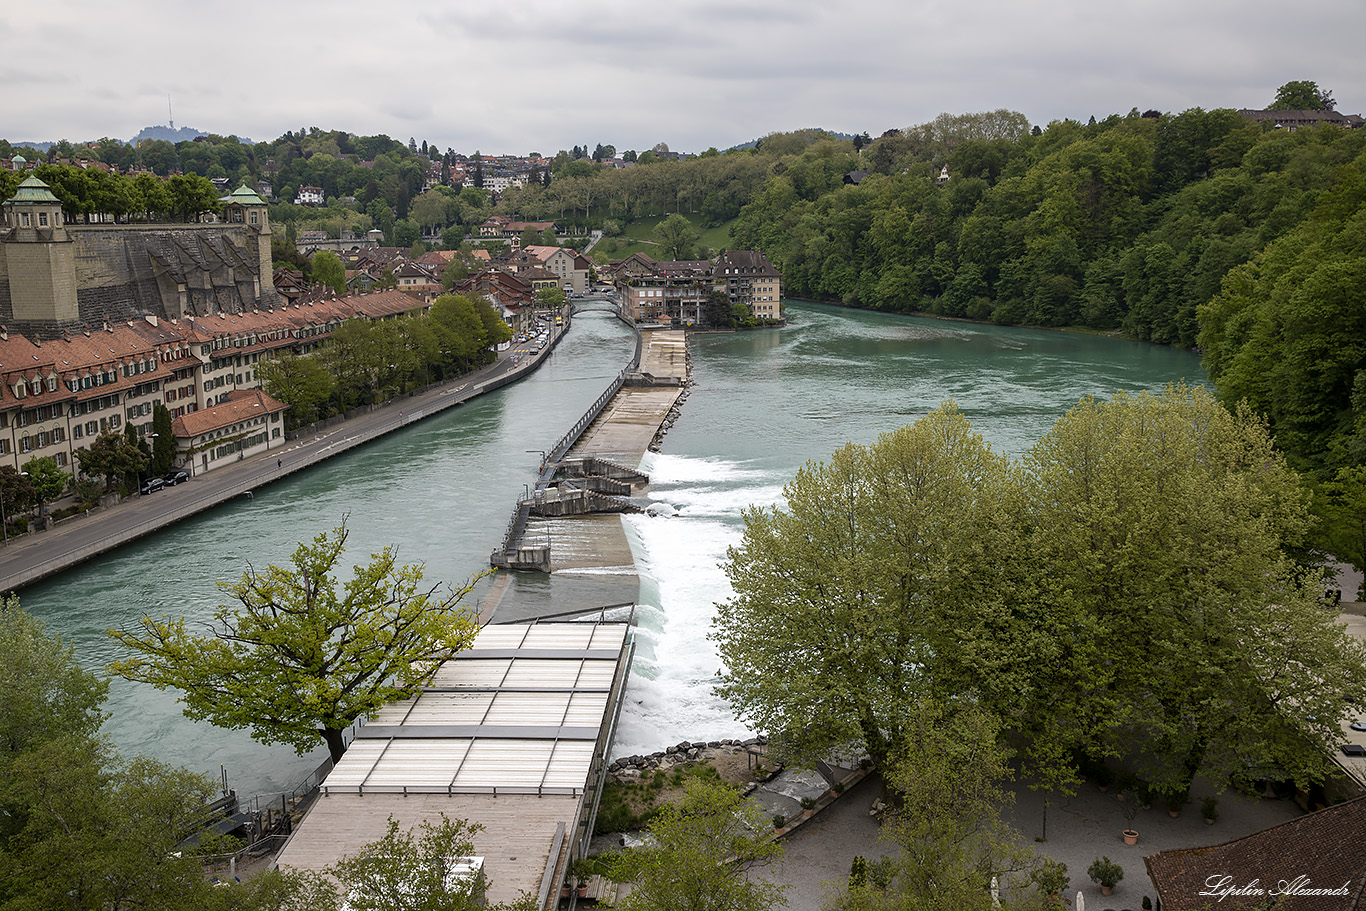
(58, 395)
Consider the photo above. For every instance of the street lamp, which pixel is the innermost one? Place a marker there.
(4, 522)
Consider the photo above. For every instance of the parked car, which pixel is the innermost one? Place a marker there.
(151, 485)
(175, 477)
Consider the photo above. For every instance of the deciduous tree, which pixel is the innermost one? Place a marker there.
(407, 871)
(947, 820)
(1298, 95)
(113, 457)
(847, 598)
(301, 658)
(328, 270)
(700, 856)
(1162, 528)
(300, 382)
(677, 237)
(47, 478)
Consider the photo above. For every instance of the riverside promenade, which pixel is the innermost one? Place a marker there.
(34, 556)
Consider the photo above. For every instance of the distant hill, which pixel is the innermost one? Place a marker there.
(833, 133)
(184, 134)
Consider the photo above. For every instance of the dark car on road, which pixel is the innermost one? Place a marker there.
(151, 485)
(175, 477)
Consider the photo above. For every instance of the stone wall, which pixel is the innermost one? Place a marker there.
(169, 271)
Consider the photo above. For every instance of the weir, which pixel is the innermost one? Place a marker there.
(587, 478)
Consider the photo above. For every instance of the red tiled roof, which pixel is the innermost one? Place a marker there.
(1322, 850)
(241, 405)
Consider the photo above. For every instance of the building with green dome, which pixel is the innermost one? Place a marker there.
(58, 277)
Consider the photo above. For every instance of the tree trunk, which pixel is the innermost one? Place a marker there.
(336, 746)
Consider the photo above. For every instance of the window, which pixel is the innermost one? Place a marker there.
(77, 432)
(25, 444)
(52, 384)
(27, 222)
(4, 447)
(42, 219)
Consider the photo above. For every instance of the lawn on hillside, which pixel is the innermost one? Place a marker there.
(638, 237)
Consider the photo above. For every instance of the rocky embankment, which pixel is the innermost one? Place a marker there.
(723, 753)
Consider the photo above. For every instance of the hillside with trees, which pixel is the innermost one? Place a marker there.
(1200, 228)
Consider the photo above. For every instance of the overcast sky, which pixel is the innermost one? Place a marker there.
(503, 76)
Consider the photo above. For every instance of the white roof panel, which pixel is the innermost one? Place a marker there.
(483, 697)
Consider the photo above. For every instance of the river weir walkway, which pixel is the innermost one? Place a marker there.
(34, 556)
(571, 521)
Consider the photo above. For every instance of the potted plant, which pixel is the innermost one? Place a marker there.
(808, 807)
(1104, 872)
(1209, 808)
(1175, 801)
(581, 870)
(1051, 876)
(1130, 809)
(837, 789)
(1145, 794)
(779, 820)
(1103, 776)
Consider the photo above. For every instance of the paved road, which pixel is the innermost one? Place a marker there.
(31, 557)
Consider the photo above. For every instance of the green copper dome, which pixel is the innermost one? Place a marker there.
(33, 192)
(245, 197)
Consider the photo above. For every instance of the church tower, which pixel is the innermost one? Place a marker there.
(39, 258)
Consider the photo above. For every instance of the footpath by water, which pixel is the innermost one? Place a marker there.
(762, 403)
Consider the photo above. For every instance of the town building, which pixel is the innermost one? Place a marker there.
(309, 196)
(748, 278)
(572, 267)
(1294, 120)
(676, 292)
(60, 278)
(57, 395)
(1279, 867)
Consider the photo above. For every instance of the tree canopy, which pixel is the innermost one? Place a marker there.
(301, 658)
(1299, 95)
(85, 829)
(415, 870)
(844, 608)
(1128, 587)
(701, 854)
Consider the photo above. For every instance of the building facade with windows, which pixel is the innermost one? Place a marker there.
(57, 395)
(676, 293)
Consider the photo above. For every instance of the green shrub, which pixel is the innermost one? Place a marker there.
(1105, 872)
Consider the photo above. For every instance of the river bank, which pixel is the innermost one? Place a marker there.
(37, 555)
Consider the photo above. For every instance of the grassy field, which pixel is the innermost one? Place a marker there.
(639, 237)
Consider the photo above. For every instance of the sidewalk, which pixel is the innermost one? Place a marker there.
(34, 556)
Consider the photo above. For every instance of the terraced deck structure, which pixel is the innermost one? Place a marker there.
(511, 734)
